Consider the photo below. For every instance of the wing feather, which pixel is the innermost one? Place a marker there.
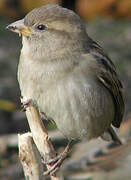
(108, 77)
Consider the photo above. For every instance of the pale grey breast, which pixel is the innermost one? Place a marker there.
(79, 106)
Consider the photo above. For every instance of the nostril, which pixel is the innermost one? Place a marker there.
(11, 27)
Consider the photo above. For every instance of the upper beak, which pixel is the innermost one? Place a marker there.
(19, 28)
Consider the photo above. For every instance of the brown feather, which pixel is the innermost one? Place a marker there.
(109, 78)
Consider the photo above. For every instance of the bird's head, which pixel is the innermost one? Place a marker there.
(51, 27)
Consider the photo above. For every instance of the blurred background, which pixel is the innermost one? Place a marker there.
(108, 23)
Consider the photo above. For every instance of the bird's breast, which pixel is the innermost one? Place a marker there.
(79, 106)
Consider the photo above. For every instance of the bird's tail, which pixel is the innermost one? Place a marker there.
(110, 134)
(114, 136)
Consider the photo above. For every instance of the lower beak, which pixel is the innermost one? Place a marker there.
(19, 28)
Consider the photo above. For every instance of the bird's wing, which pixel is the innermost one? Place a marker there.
(108, 77)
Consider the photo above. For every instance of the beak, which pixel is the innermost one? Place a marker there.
(19, 28)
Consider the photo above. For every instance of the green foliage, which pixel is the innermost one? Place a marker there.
(6, 105)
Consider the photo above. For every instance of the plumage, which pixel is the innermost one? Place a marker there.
(68, 75)
(109, 78)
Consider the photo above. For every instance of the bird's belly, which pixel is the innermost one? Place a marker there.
(79, 106)
(79, 109)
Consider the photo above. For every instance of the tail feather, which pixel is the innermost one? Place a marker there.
(114, 136)
(110, 134)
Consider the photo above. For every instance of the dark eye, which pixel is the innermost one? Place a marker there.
(41, 27)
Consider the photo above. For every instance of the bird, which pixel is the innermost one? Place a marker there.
(68, 75)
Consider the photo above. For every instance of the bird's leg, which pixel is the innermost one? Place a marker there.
(57, 161)
(25, 103)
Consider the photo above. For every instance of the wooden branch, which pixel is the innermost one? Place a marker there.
(11, 140)
(40, 136)
(30, 158)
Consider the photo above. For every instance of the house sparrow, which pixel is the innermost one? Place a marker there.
(68, 75)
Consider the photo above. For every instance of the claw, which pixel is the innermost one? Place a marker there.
(22, 108)
(25, 103)
(57, 161)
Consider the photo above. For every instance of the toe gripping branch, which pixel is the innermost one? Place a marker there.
(58, 160)
(25, 103)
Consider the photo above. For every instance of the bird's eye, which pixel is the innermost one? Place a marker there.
(41, 27)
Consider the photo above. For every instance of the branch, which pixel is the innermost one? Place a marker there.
(30, 157)
(40, 136)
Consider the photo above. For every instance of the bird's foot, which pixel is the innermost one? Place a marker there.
(25, 103)
(57, 161)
